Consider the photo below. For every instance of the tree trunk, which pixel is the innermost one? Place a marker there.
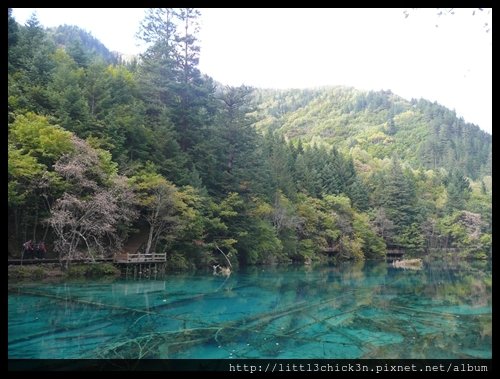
(25, 228)
(35, 225)
(45, 232)
(16, 223)
(150, 239)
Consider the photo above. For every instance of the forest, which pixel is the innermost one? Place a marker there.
(108, 155)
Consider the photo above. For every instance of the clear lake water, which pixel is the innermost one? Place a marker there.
(351, 311)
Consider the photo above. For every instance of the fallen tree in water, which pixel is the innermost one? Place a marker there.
(411, 264)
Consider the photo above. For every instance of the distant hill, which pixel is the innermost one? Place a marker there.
(81, 45)
(423, 133)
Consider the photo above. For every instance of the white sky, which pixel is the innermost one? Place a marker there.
(369, 49)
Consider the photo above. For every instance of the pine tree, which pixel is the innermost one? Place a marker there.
(13, 39)
(159, 62)
(67, 94)
(458, 189)
(398, 197)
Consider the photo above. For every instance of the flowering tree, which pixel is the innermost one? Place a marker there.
(87, 217)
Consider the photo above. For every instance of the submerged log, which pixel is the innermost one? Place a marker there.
(411, 264)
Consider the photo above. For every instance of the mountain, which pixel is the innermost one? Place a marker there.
(80, 44)
(105, 156)
(425, 134)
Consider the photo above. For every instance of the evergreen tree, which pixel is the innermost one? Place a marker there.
(13, 39)
(159, 62)
(398, 197)
(458, 189)
(67, 94)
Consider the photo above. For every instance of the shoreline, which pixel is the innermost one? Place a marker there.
(43, 272)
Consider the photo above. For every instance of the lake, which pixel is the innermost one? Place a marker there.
(351, 310)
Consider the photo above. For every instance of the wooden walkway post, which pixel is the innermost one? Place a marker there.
(143, 265)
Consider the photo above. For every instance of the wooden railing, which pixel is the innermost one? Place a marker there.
(152, 257)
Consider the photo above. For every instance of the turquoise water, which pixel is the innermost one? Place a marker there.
(353, 310)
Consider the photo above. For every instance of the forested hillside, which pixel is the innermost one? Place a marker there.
(105, 156)
(81, 45)
(424, 134)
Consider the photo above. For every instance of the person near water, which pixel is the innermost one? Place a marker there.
(41, 250)
(28, 249)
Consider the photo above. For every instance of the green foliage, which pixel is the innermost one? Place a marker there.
(35, 136)
(331, 225)
(27, 272)
(160, 205)
(422, 133)
(411, 238)
(30, 66)
(480, 201)
(261, 244)
(13, 38)
(23, 170)
(178, 262)
(191, 240)
(465, 231)
(373, 245)
(458, 190)
(394, 190)
(257, 176)
(67, 94)
(82, 46)
(34, 147)
(92, 270)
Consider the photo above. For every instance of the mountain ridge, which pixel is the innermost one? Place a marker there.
(381, 123)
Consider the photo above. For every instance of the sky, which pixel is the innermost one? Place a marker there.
(445, 58)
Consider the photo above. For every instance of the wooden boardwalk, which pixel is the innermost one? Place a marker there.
(141, 265)
(140, 258)
(130, 265)
(31, 261)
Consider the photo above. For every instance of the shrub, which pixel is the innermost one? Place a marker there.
(92, 270)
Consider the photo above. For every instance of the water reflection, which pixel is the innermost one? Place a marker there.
(351, 310)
